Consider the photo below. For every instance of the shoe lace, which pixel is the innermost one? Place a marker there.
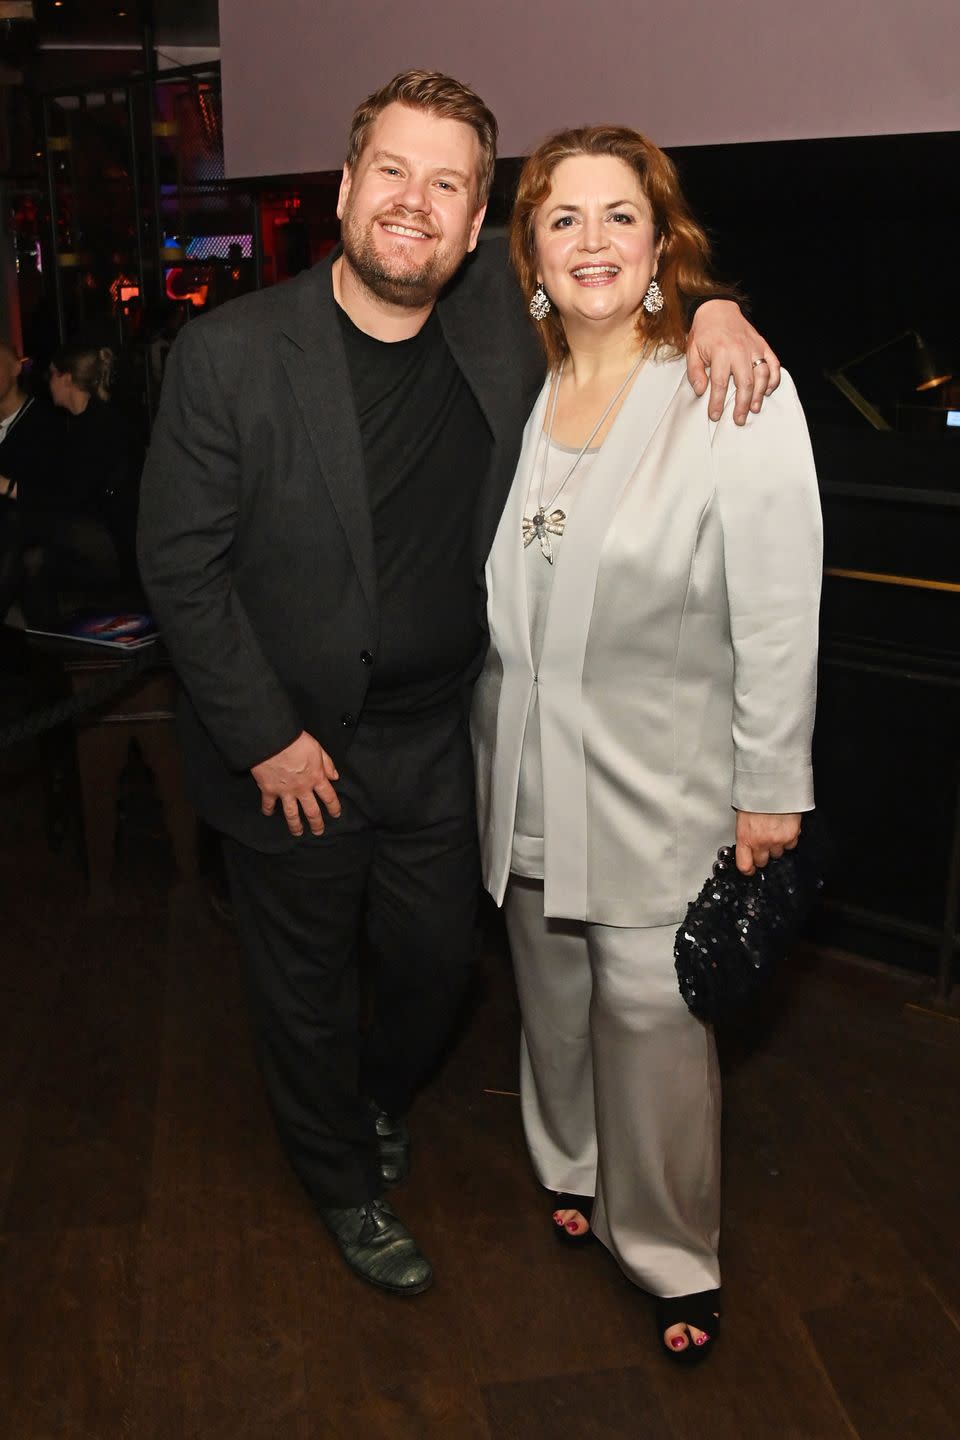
(375, 1217)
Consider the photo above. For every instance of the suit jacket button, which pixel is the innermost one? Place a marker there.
(366, 657)
(346, 720)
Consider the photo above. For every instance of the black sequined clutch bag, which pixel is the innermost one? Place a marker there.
(738, 928)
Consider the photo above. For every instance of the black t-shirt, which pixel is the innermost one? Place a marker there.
(426, 449)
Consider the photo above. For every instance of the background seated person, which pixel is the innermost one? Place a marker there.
(29, 457)
(77, 531)
(102, 458)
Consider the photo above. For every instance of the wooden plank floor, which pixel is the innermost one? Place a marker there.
(162, 1277)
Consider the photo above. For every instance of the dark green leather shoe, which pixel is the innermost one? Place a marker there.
(393, 1140)
(378, 1247)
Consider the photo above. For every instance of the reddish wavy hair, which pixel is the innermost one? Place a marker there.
(683, 271)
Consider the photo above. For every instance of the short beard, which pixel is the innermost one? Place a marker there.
(412, 288)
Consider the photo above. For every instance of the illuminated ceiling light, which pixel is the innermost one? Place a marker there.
(935, 380)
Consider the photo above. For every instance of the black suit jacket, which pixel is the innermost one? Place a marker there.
(255, 540)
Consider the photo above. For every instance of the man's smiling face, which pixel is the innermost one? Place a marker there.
(408, 209)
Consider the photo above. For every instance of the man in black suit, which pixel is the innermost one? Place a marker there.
(327, 471)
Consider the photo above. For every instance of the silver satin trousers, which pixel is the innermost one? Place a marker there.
(620, 1090)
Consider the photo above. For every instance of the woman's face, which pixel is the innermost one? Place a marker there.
(60, 383)
(594, 239)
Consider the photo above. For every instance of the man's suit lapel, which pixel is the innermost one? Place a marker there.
(478, 349)
(313, 356)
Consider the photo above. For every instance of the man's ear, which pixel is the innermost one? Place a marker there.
(345, 183)
(475, 224)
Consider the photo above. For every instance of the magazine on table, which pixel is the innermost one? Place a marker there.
(108, 630)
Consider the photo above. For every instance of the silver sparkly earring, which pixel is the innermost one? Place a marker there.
(540, 306)
(653, 300)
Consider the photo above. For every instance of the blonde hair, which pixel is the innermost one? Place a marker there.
(90, 368)
(438, 95)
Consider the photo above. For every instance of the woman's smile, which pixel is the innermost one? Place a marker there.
(593, 274)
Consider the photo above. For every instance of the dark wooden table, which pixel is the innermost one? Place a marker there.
(143, 711)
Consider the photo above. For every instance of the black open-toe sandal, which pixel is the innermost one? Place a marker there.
(702, 1311)
(567, 1201)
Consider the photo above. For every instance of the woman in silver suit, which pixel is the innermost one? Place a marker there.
(648, 696)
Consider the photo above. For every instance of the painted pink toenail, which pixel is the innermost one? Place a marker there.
(557, 1220)
(702, 1340)
(677, 1342)
(571, 1224)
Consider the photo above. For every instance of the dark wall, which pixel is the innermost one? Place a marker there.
(840, 245)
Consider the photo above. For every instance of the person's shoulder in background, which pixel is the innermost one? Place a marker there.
(35, 449)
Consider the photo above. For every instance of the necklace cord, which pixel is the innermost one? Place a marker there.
(554, 400)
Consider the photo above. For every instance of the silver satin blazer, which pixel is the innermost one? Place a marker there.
(678, 676)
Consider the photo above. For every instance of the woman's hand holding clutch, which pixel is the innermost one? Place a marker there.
(760, 837)
(749, 912)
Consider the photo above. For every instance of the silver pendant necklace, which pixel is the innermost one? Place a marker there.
(546, 522)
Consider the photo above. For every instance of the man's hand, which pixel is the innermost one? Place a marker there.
(298, 777)
(723, 341)
(763, 837)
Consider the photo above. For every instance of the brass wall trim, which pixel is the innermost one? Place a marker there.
(913, 581)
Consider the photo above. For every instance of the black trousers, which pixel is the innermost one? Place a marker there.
(399, 867)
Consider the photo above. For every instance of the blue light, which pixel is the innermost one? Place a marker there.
(953, 419)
